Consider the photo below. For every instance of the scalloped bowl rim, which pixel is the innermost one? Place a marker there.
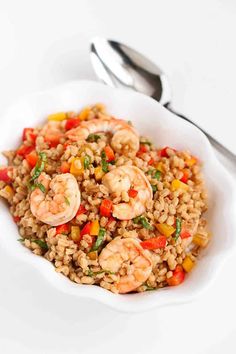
(165, 128)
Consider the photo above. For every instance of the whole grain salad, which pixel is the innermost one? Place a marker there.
(103, 204)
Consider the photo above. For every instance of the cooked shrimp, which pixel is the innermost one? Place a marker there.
(60, 201)
(122, 179)
(126, 255)
(125, 138)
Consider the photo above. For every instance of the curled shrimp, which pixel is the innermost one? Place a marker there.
(126, 255)
(60, 201)
(122, 179)
(125, 138)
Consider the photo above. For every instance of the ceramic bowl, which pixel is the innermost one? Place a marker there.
(163, 128)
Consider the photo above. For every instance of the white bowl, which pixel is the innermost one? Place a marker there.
(164, 128)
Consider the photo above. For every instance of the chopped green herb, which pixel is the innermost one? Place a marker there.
(21, 239)
(86, 161)
(67, 200)
(104, 166)
(43, 156)
(41, 187)
(154, 173)
(154, 188)
(93, 138)
(157, 174)
(90, 273)
(136, 220)
(31, 186)
(145, 223)
(104, 162)
(41, 244)
(37, 185)
(103, 155)
(39, 166)
(178, 228)
(129, 122)
(37, 171)
(146, 142)
(142, 220)
(99, 239)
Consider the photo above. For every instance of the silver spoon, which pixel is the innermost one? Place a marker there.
(118, 65)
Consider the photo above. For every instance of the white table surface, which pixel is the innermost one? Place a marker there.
(44, 43)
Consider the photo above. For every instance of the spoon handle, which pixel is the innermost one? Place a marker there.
(217, 145)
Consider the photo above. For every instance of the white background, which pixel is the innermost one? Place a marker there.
(44, 43)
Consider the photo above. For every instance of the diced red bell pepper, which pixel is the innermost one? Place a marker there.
(63, 229)
(106, 208)
(72, 123)
(32, 158)
(185, 234)
(142, 149)
(4, 175)
(86, 229)
(81, 210)
(154, 243)
(185, 177)
(65, 167)
(177, 277)
(110, 156)
(52, 139)
(16, 218)
(163, 152)
(24, 150)
(25, 131)
(132, 193)
(28, 132)
(151, 162)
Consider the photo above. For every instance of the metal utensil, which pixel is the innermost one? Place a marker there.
(118, 65)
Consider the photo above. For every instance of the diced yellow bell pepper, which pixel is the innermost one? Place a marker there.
(93, 255)
(164, 229)
(201, 240)
(75, 233)
(84, 113)
(98, 172)
(159, 166)
(77, 166)
(58, 116)
(177, 184)
(187, 264)
(94, 228)
(9, 190)
(190, 162)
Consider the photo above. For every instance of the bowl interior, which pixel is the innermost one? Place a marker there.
(164, 129)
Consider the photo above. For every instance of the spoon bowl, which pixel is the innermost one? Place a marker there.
(119, 65)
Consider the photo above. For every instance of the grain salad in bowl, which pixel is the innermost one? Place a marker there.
(104, 204)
